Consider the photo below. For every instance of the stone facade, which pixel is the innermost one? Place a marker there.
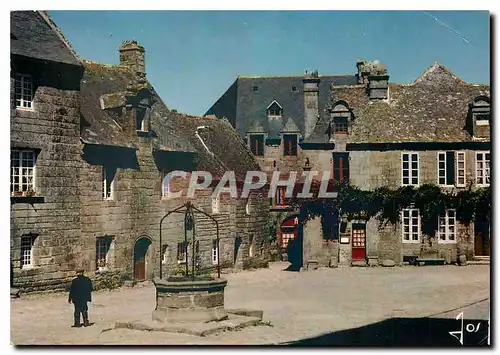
(50, 220)
(373, 122)
(103, 141)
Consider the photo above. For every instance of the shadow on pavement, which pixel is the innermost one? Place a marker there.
(405, 332)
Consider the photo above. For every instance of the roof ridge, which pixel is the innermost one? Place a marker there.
(288, 76)
(46, 17)
(432, 68)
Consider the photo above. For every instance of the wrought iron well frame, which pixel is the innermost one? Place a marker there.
(189, 210)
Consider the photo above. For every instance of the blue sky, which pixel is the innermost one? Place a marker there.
(192, 57)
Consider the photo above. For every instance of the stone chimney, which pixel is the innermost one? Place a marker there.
(311, 101)
(374, 76)
(132, 55)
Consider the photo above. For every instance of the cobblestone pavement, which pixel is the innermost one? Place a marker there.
(298, 305)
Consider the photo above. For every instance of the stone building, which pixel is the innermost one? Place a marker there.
(372, 133)
(90, 147)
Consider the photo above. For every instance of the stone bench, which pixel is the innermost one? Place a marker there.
(430, 261)
(312, 263)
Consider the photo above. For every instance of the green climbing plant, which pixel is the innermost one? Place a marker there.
(386, 204)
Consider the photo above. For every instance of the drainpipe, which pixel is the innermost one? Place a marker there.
(201, 140)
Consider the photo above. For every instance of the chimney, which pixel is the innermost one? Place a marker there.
(311, 106)
(374, 76)
(132, 55)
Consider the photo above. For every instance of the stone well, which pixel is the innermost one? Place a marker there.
(181, 299)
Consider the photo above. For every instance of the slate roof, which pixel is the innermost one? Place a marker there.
(100, 80)
(34, 35)
(432, 108)
(173, 131)
(229, 150)
(242, 105)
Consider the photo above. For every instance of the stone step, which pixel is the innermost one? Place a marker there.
(359, 263)
(481, 258)
(478, 262)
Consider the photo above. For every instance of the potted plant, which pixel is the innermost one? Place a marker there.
(101, 265)
(18, 193)
(30, 193)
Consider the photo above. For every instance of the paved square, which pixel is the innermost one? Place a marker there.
(298, 305)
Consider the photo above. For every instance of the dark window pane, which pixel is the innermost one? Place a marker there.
(450, 168)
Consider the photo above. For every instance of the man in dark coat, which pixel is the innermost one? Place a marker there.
(80, 294)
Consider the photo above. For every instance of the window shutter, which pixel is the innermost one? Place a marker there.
(294, 145)
(345, 172)
(335, 168)
(450, 168)
(340, 167)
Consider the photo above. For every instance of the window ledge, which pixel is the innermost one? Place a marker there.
(102, 270)
(144, 134)
(28, 267)
(411, 242)
(281, 208)
(447, 242)
(26, 109)
(27, 199)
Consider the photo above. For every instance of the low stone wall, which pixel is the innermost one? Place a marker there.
(109, 280)
(199, 300)
(255, 263)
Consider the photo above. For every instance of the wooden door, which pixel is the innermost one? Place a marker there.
(140, 250)
(482, 238)
(140, 269)
(358, 242)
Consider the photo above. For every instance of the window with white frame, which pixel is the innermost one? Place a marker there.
(164, 254)
(27, 243)
(23, 91)
(22, 177)
(285, 238)
(274, 109)
(216, 204)
(165, 185)
(483, 168)
(409, 169)
(250, 248)
(411, 225)
(107, 184)
(215, 252)
(248, 208)
(451, 168)
(447, 227)
(461, 180)
(102, 247)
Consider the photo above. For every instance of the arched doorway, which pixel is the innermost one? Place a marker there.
(140, 250)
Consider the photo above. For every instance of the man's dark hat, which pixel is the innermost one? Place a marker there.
(79, 271)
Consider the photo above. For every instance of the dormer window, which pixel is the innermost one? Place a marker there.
(340, 115)
(255, 88)
(290, 144)
(294, 89)
(479, 117)
(142, 119)
(274, 110)
(256, 142)
(482, 119)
